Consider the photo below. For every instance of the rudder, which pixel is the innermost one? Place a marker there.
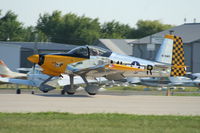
(4, 70)
(178, 61)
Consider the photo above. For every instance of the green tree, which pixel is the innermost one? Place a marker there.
(49, 25)
(114, 29)
(31, 34)
(69, 28)
(10, 28)
(87, 30)
(148, 27)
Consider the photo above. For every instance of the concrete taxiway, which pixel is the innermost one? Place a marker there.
(83, 103)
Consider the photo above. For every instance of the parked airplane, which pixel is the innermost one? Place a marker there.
(6, 72)
(90, 61)
(36, 78)
(191, 80)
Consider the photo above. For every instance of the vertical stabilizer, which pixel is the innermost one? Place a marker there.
(171, 52)
(4, 70)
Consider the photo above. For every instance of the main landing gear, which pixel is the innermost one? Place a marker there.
(90, 89)
(71, 89)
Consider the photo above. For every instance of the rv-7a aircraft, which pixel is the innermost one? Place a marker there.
(93, 62)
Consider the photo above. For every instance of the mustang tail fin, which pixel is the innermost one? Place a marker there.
(171, 52)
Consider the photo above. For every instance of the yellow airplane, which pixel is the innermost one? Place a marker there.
(93, 62)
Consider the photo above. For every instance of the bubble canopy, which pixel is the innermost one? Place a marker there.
(87, 51)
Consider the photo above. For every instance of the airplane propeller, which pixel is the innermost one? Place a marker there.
(41, 59)
(35, 50)
(34, 68)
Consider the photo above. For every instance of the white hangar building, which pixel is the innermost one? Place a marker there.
(15, 54)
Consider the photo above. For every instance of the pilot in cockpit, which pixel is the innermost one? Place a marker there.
(94, 52)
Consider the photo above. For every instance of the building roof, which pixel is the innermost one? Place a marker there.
(41, 45)
(190, 32)
(121, 46)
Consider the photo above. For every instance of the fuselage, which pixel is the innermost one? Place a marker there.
(152, 68)
(148, 68)
(89, 57)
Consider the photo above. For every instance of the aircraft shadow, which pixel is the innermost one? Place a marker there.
(59, 95)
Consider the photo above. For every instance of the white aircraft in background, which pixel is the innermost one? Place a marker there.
(6, 72)
(93, 62)
(36, 78)
(190, 80)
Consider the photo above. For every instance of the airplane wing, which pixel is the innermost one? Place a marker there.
(35, 82)
(17, 81)
(77, 80)
(112, 72)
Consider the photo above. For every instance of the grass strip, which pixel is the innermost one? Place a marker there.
(52, 122)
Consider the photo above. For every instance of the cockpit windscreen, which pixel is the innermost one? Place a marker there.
(87, 51)
(82, 52)
(97, 51)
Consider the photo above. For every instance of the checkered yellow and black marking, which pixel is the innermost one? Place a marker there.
(178, 65)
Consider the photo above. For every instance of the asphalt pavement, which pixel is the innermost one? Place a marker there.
(128, 102)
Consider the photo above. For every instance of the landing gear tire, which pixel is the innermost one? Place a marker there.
(91, 93)
(69, 90)
(62, 92)
(70, 93)
(18, 91)
(32, 92)
(91, 89)
(45, 91)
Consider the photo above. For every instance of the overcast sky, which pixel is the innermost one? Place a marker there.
(124, 11)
